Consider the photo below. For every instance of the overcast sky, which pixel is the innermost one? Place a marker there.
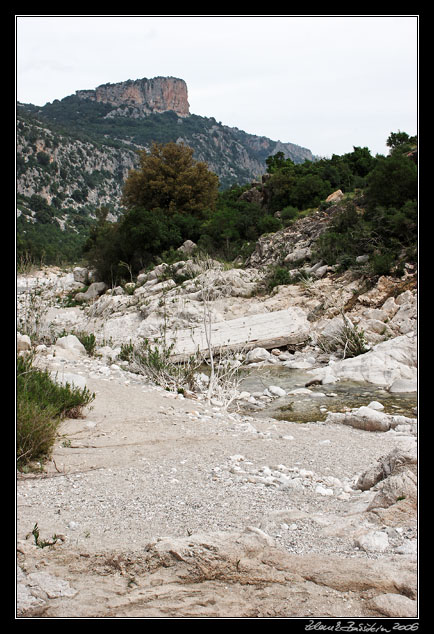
(327, 83)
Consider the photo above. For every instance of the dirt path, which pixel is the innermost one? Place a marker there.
(169, 508)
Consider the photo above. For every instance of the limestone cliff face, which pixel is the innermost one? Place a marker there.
(144, 96)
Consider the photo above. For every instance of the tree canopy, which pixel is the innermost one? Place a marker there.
(170, 179)
(171, 198)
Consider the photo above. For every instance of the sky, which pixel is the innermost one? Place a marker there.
(327, 83)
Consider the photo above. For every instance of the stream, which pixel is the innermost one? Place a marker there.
(321, 399)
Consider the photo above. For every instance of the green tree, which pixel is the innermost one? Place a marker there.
(143, 234)
(309, 190)
(392, 182)
(102, 248)
(360, 161)
(277, 162)
(278, 190)
(170, 179)
(400, 140)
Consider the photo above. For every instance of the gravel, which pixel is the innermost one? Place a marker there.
(145, 463)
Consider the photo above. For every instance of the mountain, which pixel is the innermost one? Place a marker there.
(74, 154)
(133, 114)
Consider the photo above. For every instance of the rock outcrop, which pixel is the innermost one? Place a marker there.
(387, 362)
(78, 172)
(145, 96)
(292, 244)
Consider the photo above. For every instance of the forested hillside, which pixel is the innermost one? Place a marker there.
(76, 196)
(172, 198)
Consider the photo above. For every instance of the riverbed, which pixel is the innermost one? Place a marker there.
(303, 404)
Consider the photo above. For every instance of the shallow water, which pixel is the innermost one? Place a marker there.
(332, 397)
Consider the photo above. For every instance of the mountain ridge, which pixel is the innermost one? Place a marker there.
(139, 112)
(74, 154)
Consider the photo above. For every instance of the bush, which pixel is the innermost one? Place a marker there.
(152, 359)
(348, 341)
(41, 405)
(392, 183)
(88, 340)
(288, 214)
(278, 275)
(382, 263)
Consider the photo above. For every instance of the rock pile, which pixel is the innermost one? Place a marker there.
(176, 299)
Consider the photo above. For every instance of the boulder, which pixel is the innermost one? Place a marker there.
(158, 271)
(81, 275)
(237, 282)
(376, 296)
(298, 254)
(376, 405)
(364, 418)
(276, 391)
(379, 314)
(188, 247)
(321, 271)
(390, 307)
(387, 361)
(257, 355)
(141, 278)
(375, 326)
(335, 196)
(403, 385)
(298, 364)
(362, 259)
(153, 287)
(396, 461)
(369, 419)
(252, 195)
(404, 298)
(95, 290)
(374, 541)
(23, 342)
(70, 343)
(402, 486)
(394, 605)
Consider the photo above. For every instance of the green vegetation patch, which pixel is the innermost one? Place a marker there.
(41, 405)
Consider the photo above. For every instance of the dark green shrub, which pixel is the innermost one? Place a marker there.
(392, 182)
(278, 276)
(127, 351)
(382, 263)
(36, 430)
(41, 405)
(88, 340)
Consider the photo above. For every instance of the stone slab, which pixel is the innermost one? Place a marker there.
(264, 330)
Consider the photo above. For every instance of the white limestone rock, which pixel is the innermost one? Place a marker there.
(23, 343)
(374, 541)
(385, 363)
(81, 275)
(70, 343)
(276, 390)
(257, 355)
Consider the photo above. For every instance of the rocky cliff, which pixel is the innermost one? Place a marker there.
(66, 172)
(143, 96)
(74, 154)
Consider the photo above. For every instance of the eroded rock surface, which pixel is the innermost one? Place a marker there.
(172, 506)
